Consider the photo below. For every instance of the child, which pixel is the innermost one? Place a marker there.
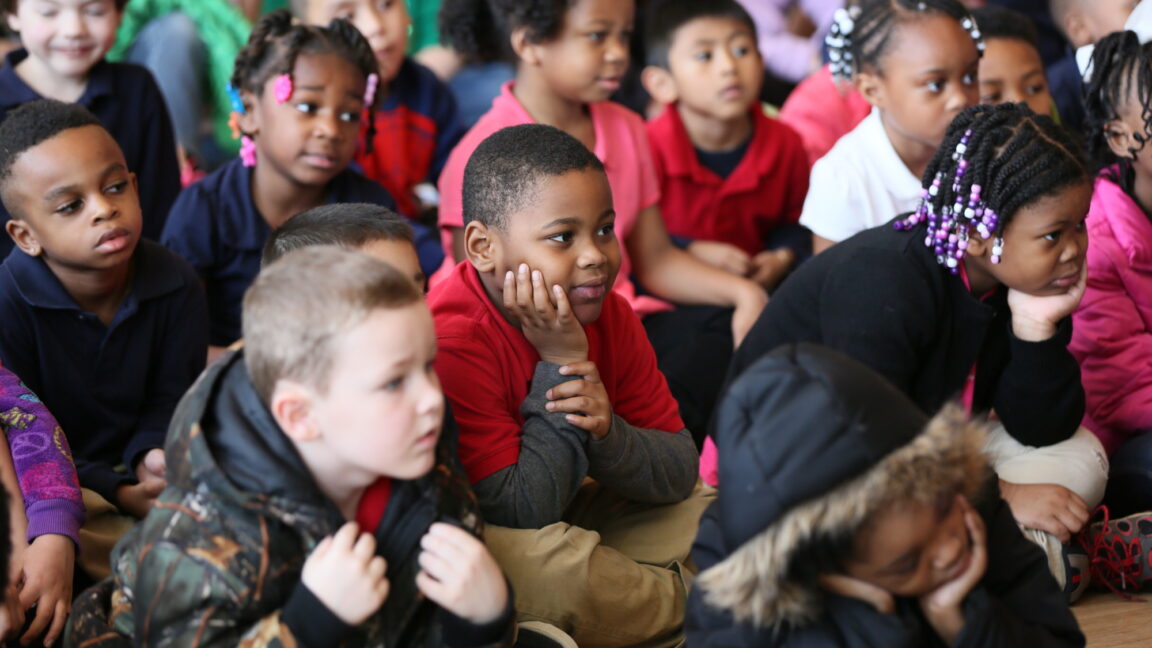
(371, 229)
(317, 504)
(416, 124)
(859, 522)
(916, 63)
(108, 329)
(730, 176)
(552, 381)
(1011, 69)
(64, 42)
(36, 468)
(571, 58)
(983, 310)
(303, 92)
(1113, 333)
(1083, 22)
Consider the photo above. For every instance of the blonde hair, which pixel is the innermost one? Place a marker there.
(299, 305)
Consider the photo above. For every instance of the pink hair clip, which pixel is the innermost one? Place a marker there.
(370, 89)
(282, 88)
(247, 151)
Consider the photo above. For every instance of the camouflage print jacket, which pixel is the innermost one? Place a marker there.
(217, 562)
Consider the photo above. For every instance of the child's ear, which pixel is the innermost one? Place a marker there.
(291, 406)
(1120, 140)
(23, 236)
(525, 50)
(12, 20)
(660, 84)
(979, 246)
(870, 87)
(249, 123)
(480, 246)
(1076, 29)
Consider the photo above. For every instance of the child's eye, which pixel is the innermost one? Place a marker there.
(935, 86)
(605, 230)
(96, 11)
(350, 117)
(70, 207)
(306, 108)
(597, 37)
(561, 237)
(1052, 236)
(385, 4)
(703, 57)
(1035, 89)
(990, 98)
(117, 187)
(740, 51)
(394, 384)
(969, 78)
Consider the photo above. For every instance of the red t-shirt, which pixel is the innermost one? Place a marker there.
(765, 190)
(486, 366)
(372, 505)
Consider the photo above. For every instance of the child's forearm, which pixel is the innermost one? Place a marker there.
(645, 465)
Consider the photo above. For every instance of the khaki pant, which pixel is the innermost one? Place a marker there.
(103, 527)
(613, 573)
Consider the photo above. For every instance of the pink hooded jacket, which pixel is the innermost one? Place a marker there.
(1112, 333)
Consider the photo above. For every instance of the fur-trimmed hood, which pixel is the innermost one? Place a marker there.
(811, 443)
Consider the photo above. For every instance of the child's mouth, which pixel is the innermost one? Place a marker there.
(588, 292)
(319, 160)
(113, 240)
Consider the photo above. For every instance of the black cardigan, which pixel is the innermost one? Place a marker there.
(881, 298)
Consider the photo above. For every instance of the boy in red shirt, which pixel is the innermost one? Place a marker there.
(732, 179)
(552, 381)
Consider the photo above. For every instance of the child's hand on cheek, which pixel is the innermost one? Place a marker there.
(585, 399)
(344, 572)
(943, 606)
(1034, 318)
(458, 574)
(553, 330)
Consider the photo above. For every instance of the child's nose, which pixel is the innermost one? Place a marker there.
(372, 23)
(617, 50)
(327, 124)
(72, 24)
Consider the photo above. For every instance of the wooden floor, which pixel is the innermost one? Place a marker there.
(1109, 621)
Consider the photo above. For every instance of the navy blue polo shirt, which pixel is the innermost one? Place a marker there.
(112, 388)
(127, 100)
(216, 227)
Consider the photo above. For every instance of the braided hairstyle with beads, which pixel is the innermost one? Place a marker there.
(993, 161)
(1121, 71)
(861, 32)
(276, 42)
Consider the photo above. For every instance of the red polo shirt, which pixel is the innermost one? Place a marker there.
(764, 191)
(486, 366)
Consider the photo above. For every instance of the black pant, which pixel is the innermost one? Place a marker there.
(693, 347)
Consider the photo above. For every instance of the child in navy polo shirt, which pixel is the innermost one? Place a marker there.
(108, 329)
(64, 42)
(731, 177)
(303, 91)
(416, 122)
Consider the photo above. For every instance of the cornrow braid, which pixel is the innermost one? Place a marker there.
(993, 161)
(861, 32)
(1121, 70)
(276, 42)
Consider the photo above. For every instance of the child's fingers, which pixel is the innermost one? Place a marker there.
(563, 306)
(435, 566)
(590, 424)
(568, 389)
(510, 293)
(540, 297)
(345, 537)
(377, 567)
(365, 547)
(456, 541)
(574, 405)
(586, 368)
(524, 290)
(58, 619)
(44, 614)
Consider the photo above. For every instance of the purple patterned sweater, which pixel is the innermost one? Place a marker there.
(48, 481)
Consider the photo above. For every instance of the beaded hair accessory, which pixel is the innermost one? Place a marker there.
(839, 41)
(949, 229)
(247, 146)
(973, 30)
(370, 88)
(282, 88)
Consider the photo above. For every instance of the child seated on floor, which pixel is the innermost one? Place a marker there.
(1083, 22)
(416, 121)
(848, 518)
(552, 381)
(732, 179)
(63, 43)
(371, 229)
(37, 471)
(1011, 69)
(916, 63)
(108, 329)
(302, 90)
(318, 504)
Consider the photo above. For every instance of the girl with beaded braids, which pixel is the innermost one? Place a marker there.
(916, 62)
(1113, 334)
(300, 95)
(970, 297)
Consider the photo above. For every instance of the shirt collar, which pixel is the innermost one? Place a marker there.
(14, 91)
(39, 287)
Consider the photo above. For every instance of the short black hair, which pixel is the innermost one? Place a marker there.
(995, 21)
(480, 29)
(346, 225)
(503, 173)
(668, 16)
(29, 125)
